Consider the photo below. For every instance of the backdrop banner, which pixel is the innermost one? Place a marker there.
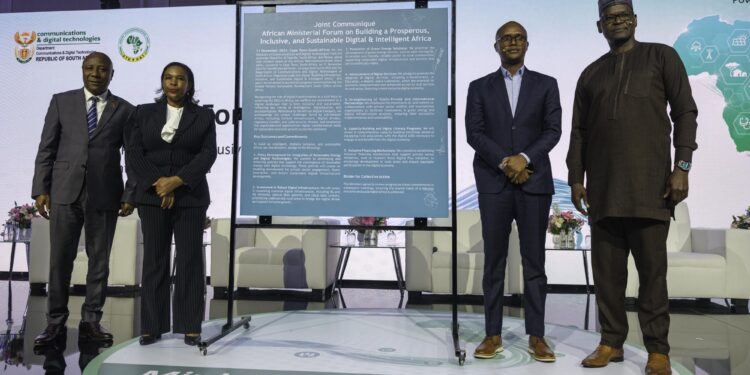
(711, 37)
(43, 53)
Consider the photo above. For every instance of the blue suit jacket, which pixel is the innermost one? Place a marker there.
(494, 133)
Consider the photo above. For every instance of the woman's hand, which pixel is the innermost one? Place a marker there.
(167, 201)
(166, 185)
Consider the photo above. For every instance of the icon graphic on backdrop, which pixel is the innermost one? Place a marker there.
(696, 46)
(709, 54)
(742, 123)
(430, 200)
(739, 41)
(134, 44)
(735, 70)
(24, 53)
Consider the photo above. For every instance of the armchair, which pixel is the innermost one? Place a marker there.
(702, 263)
(428, 258)
(124, 261)
(276, 258)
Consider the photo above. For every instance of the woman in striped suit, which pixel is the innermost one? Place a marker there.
(172, 147)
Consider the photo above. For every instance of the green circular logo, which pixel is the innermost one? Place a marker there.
(134, 44)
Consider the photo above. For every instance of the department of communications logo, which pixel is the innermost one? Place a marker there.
(24, 39)
(134, 44)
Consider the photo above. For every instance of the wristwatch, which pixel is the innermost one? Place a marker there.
(684, 165)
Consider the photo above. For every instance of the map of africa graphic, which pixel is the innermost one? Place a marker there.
(711, 45)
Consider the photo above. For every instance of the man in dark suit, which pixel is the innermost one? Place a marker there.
(78, 184)
(513, 121)
(621, 149)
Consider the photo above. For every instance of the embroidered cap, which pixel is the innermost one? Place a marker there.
(603, 4)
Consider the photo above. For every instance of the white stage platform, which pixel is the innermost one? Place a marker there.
(367, 341)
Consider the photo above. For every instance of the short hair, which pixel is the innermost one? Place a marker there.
(100, 54)
(190, 95)
(508, 24)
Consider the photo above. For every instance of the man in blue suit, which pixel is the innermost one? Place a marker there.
(513, 121)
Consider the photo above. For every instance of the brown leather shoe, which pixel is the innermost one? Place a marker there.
(539, 349)
(658, 364)
(602, 356)
(490, 346)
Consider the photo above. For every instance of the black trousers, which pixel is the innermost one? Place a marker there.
(531, 213)
(158, 225)
(66, 222)
(612, 239)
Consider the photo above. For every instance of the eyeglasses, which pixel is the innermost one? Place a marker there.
(620, 17)
(509, 39)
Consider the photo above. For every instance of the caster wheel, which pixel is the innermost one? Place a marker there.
(246, 325)
(461, 358)
(205, 352)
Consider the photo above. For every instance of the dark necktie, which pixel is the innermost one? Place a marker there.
(91, 116)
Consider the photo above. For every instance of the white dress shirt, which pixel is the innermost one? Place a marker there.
(100, 105)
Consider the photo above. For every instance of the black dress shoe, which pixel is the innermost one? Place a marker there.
(53, 348)
(93, 331)
(51, 334)
(192, 340)
(148, 339)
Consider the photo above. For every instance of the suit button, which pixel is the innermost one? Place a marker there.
(513, 128)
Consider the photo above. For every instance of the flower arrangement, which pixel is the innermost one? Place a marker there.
(741, 221)
(563, 222)
(20, 216)
(368, 221)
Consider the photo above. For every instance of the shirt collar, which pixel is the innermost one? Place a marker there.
(506, 73)
(87, 94)
(175, 109)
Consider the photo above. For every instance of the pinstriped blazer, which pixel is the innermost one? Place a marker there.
(190, 155)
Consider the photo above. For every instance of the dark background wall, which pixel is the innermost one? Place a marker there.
(13, 6)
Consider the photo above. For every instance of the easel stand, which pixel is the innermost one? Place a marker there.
(420, 225)
(230, 325)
